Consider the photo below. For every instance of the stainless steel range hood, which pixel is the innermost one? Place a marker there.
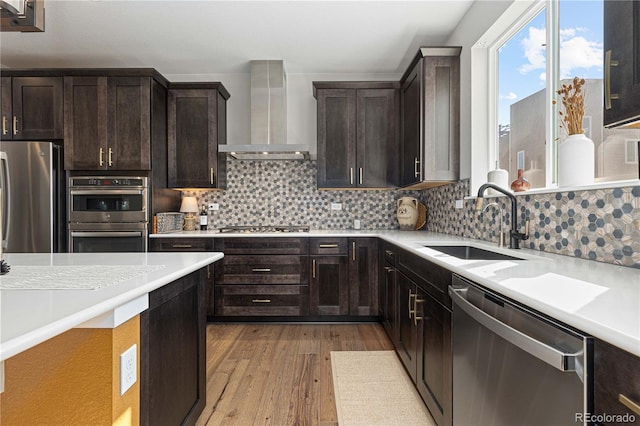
(268, 117)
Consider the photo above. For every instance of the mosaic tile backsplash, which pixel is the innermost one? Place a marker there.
(602, 225)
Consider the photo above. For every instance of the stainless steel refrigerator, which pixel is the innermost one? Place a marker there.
(32, 183)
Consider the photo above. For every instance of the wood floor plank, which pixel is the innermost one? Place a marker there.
(278, 374)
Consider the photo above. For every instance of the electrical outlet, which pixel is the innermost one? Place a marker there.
(459, 204)
(128, 373)
(214, 207)
(336, 206)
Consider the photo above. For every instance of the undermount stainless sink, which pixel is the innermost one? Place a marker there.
(472, 253)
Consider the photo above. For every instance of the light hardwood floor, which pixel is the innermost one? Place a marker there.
(278, 374)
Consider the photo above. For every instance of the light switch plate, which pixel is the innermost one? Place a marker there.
(459, 204)
(128, 370)
(336, 206)
(214, 207)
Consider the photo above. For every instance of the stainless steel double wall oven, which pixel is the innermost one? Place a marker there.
(108, 214)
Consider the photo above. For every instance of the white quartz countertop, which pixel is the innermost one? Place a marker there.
(31, 316)
(600, 299)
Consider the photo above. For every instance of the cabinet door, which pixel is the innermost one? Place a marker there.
(407, 344)
(435, 374)
(441, 129)
(616, 381)
(129, 120)
(622, 44)
(173, 353)
(5, 108)
(377, 160)
(37, 108)
(336, 138)
(411, 97)
(193, 138)
(329, 285)
(388, 301)
(85, 123)
(363, 276)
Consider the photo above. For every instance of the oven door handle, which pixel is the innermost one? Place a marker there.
(93, 234)
(107, 191)
(552, 356)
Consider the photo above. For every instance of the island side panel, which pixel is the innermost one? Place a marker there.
(73, 378)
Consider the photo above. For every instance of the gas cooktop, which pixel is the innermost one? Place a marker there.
(264, 229)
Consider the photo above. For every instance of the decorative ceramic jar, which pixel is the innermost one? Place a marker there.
(499, 177)
(520, 184)
(407, 213)
(576, 161)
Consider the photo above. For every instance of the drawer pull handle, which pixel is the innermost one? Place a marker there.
(388, 253)
(181, 246)
(313, 268)
(261, 300)
(361, 173)
(350, 175)
(633, 406)
(416, 318)
(388, 268)
(15, 125)
(261, 269)
(100, 154)
(411, 296)
(4, 125)
(353, 250)
(328, 246)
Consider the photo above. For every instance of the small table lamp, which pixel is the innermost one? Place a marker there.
(189, 206)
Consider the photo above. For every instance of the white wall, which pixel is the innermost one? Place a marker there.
(301, 105)
(471, 28)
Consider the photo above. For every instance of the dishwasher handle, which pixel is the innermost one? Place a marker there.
(552, 356)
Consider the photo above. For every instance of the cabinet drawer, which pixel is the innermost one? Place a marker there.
(388, 251)
(617, 379)
(262, 245)
(328, 246)
(181, 244)
(262, 300)
(263, 269)
(432, 278)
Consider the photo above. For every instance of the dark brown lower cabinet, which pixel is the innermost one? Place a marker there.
(173, 353)
(617, 383)
(388, 293)
(363, 276)
(329, 285)
(423, 331)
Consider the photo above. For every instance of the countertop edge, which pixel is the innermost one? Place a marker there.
(30, 339)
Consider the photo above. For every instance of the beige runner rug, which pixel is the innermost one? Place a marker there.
(372, 388)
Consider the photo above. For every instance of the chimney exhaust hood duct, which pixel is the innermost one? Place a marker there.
(268, 117)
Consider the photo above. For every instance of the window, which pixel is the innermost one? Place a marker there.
(547, 46)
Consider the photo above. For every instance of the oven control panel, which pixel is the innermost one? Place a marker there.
(94, 181)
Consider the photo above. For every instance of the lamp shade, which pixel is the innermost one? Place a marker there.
(189, 205)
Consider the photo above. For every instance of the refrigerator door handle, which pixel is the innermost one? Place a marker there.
(5, 184)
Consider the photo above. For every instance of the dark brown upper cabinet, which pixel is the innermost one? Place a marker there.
(107, 122)
(197, 124)
(357, 134)
(31, 108)
(622, 63)
(430, 118)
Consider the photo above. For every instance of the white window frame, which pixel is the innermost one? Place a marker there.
(484, 93)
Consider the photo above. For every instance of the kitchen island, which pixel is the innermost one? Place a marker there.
(66, 319)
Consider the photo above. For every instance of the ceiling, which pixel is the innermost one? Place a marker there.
(203, 37)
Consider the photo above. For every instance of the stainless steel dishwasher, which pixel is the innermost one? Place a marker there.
(513, 367)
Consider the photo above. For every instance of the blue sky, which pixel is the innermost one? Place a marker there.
(522, 61)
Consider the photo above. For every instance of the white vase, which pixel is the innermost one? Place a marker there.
(407, 213)
(499, 177)
(576, 161)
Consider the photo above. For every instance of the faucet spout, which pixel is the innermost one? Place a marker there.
(515, 235)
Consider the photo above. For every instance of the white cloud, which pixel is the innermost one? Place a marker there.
(510, 97)
(534, 50)
(575, 52)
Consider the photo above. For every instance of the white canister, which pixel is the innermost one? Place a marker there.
(498, 177)
(407, 213)
(576, 161)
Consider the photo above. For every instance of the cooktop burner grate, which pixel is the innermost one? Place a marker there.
(264, 229)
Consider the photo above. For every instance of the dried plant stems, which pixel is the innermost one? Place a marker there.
(573, 102)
